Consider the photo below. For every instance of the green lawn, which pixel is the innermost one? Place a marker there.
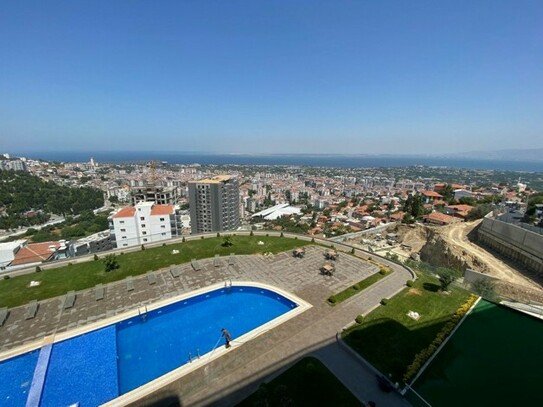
(15, 291)
(493, 359)
(307, 383)
(356, 288)
(389, 339)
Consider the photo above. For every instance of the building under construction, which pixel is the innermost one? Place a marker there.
(158, 195)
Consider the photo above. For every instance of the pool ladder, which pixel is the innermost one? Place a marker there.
(197, 355)
(228, 283)
(143, 315)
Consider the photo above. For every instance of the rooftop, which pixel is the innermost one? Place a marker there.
(214, 180)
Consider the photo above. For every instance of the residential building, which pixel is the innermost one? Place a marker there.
(144, 223)
(214, 204)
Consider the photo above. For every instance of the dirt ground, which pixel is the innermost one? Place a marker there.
(456, 236)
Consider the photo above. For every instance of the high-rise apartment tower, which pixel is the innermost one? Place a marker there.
(214, 204)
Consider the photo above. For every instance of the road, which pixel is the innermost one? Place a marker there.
(456, 235)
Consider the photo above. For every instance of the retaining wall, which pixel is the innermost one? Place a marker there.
(512, 241)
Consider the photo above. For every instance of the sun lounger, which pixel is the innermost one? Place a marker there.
(231, 259)
(129, 283)
(31, 309)
(3, 315)
(99, 292)
(217, 261)
(69, 300)
(195, 265)
(151, 278)
(174, 271)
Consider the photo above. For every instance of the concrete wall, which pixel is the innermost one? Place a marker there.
(470, 276)
(366, 232)
(512, 241)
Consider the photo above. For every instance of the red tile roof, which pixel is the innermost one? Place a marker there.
(460, 208)
(127, 212)
(162, 210)
(439, 217)
(34, 253)
(432, 194)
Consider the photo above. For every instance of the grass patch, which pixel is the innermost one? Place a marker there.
(356, 288)
(14, 291)
(389, 339)
(307, 383)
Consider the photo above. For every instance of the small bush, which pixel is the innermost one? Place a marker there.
(163, 244)
(352, 251)
(384, 301)
(332, 299)
(312, 240)
(110, 263)
(142, 247)
(267, 235)
(295, 237)
(281, 235)
(410, 283)
(6, 277)
(252, 233)
(95, 257)
(38, 269)
(382, 271)
(183, 240)
(122, 253)
(218, 234)
(201, 237)
(359, 319)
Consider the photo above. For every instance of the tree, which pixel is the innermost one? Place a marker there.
(227, 242)
(110, 263)
(114, 199)
(479, 211)
(446, 277)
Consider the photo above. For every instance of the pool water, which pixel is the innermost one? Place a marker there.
(101, 365)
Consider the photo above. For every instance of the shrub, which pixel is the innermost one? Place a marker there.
(356, 287)
(267, 235)
(6, 277)
(122, 253)
(295, 237)
(218, 234)
(142, 247)
(38, 269)
(332, 299)
(95, 257)
(359, 319)
(352, 250)
(384, 301)
(312, 240)
(252, 233)
(383, 270)
(421, 357)
(281, 235)
(410, 283)
(227, 242)
(110, 263)
(183, 240)
(201, 237)
(163, 244)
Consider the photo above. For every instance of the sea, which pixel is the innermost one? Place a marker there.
(322, 160)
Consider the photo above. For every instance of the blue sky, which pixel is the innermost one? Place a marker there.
(271, 76)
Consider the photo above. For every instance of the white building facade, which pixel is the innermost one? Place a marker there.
(145, 223)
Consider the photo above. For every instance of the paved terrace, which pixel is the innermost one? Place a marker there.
(235, 375)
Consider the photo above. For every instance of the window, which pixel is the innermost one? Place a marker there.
(163, 234)
(144, 239)
(162, 219)
(123, 230)
(143, 233)
(143, 225)
(125, 244)
(121, 221)
(124, 237)
(163, 226)
(142, 217)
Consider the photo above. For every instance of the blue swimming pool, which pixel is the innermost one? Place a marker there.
(101, 365)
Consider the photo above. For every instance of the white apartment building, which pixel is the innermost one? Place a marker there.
(145, 223)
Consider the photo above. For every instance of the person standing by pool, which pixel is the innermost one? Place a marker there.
(227, 337)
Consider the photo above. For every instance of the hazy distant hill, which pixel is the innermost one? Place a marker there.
(533, 154)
